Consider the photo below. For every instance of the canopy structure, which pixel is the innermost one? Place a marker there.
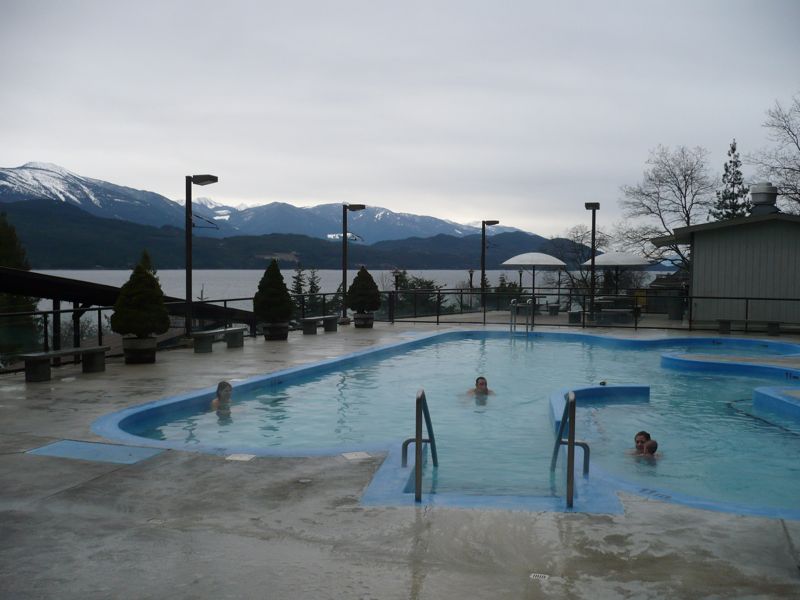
(617, 260)
(533, 260)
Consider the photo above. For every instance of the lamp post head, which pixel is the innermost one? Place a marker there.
(492, 222)
(204, 179)
(592, 206)
(354, 207)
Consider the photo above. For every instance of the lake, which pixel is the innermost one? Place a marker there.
(217, 284)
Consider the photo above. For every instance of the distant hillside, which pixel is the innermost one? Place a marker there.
(37, 181)
(57, 235)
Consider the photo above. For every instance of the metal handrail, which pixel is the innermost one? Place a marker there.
(513, 320)
(529, 316)
(421, 411)
(571, 442)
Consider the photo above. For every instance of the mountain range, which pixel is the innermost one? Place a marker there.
(106, 200)
(58, 235)
(66, 221)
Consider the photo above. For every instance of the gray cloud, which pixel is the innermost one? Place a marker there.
(519, 111)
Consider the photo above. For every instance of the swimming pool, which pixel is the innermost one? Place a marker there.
(718, 450)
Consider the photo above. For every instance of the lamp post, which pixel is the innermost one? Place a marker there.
(594, 207)
(483, 259)
(520, 279)
(345, 209)
(196, 180)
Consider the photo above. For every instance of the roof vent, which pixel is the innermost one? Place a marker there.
(763, 196)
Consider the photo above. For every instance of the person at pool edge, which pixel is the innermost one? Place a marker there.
(640, 439)
(481, 388)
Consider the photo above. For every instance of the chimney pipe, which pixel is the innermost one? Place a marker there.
(763, 196)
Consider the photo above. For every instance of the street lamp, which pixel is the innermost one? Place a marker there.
(594, 207)
(197, 180)
(483, 259)
(345, 209)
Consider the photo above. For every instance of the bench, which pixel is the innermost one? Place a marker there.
(610, 316)
(37, 364)
(310, 324)
(773, 327)
(204, 340)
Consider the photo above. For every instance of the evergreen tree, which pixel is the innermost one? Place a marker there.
(272, 302)
(298, 283)
(313, 302)
(732, 199)
(147, 264)
(17, 334)
(363, 295)
(139, 309)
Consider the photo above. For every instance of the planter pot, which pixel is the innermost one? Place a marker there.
(139, 350)
(276, 331)
(364, 320)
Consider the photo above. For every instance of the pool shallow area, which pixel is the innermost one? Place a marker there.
(719, 448)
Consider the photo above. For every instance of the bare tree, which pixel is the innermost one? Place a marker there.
(676, 191)
(781, 164)
(575, 248)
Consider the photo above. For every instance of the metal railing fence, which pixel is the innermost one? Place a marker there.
(41, 330)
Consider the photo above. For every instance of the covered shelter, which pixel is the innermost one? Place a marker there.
(617, 260)
(743, 269)
(533, 260)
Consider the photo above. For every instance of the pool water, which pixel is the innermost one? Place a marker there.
(714, 445)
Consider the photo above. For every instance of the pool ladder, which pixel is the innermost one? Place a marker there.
(528, 315)
(569, 418)
(418, 440)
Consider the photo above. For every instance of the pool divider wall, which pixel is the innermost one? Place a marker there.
(784, 401)
(684, 363)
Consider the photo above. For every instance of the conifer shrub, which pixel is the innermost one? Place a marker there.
(272, 302)
(363, 295)
(139, 309)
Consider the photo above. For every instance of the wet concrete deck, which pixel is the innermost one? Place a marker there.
(188, 525)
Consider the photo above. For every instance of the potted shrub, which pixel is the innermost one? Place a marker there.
(363, 297)
(273, 304)
(139, 313)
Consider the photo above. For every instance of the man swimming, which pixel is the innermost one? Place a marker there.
(481, 388)
(639, 440)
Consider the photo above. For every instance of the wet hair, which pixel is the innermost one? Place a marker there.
(478, 379)
(224, 390)
(642, 433)
(650, 447)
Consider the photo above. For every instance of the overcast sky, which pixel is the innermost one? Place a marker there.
(517, 111)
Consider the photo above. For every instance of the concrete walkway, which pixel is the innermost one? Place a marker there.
(184, 525)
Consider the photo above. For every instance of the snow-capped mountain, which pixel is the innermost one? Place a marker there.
(100, 198)
(107, 200)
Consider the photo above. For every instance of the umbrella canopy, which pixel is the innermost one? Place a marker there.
(618, 259)
(533, 260)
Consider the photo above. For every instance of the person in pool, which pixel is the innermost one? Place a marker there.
(639, 440)
(481, 388)
(650, 448)
(222, 402)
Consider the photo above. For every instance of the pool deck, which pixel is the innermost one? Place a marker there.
(186, 525)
